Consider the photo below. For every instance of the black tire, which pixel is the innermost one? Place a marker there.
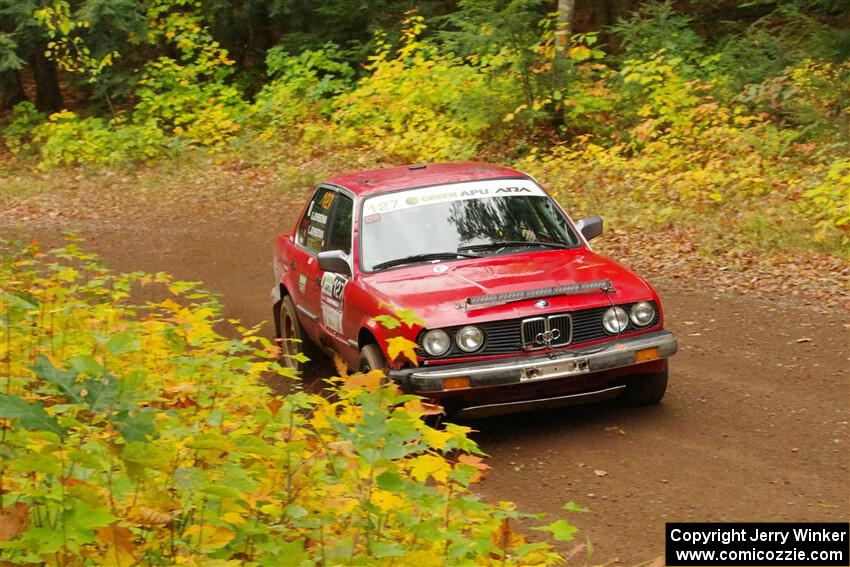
(292, 337)
(646, 389)
(371, 358)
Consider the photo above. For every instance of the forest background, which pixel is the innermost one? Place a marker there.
(131, 428)
(725, 120)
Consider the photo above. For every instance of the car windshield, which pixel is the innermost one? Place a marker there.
(475, 218)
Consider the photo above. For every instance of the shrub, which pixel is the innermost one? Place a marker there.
(828, 202)
(656, 26)
(139, 435)
(67, 139)
(181, 101)
(419, 104)
(18, 134)
(302, 86)
(188, 95)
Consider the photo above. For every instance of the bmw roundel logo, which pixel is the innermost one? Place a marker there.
(541, 303)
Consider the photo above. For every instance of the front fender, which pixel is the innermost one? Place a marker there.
(382, 334)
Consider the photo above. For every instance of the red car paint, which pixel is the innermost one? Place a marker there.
(435, 295)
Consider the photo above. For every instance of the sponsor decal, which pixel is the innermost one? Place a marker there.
(447, 193)
(328, 199)
(332, 318)
(319, 218)
(333, 288)
(316, 232)
(302, 283)
(369, 219)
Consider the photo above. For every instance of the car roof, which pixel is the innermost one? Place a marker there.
(375, 181)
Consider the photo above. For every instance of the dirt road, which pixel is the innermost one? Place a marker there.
(754, 426)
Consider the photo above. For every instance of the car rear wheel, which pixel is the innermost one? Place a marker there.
(646, 389)
(293, 338)
(371, 358)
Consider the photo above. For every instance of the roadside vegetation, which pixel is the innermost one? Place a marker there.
(664, 117)
(136, 431)
(136, 434)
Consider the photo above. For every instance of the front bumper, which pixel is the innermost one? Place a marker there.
(528, 370)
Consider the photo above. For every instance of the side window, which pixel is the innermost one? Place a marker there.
(311, 230)
(340, 236)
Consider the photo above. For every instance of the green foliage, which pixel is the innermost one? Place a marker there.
(67, 46)
(187, 96)
(312, 74)
(67, 139)
(138, 435)
(9, 59)
(18, 134)
(656, 26)
(301, 87)
(181, 101)
(767, 96)
(418, 103)
(828, 203)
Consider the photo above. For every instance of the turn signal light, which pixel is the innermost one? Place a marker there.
(455, 383)
(647, 354)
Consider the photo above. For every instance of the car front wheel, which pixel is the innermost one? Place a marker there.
(371, 358)
(646, 389)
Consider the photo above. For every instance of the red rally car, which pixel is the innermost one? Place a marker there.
(518, 311)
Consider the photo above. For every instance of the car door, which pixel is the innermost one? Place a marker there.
(332, 300)
(310, 239)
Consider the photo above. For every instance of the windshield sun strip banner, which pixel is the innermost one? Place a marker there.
(411, 198)
(511, 296)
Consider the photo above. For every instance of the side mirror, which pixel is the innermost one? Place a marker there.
(590, 227)
(334, 261)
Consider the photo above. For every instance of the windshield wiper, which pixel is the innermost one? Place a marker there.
(509, 243)
(422, 258)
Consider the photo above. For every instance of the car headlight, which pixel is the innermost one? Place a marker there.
(615, 320)
(469, 339)
(642, 314)
(436, 342)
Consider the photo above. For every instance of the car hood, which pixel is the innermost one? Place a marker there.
(437, 292)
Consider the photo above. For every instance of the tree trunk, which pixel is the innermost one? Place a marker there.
(259, 36)
(566, 13)
(11, 89)
(48, 97)
(604, 13)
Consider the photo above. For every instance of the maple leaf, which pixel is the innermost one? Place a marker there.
(370, 380)
(399, 345)
(425, 466)
(419, 408)
(386, 501)
(476, 463)
(119, 544)
(561, 530)
(436, 438)
(387, 321)
(13, 521)
(275, 405)
(341, 366)
(409, 317)
(148, 516)
(505, 537)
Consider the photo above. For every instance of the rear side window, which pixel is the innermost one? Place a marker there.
(313, 227)
(340, 236)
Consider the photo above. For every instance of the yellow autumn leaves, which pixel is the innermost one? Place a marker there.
(142, 436)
